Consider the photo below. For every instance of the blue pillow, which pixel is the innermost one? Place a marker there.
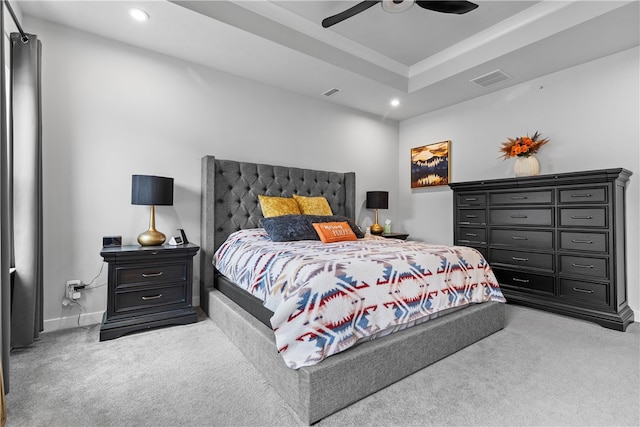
(290, 228)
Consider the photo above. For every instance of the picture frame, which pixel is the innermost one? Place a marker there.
(430, 165)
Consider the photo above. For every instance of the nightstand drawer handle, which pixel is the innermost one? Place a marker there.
(588, 242)
(518, 216)
(518, 197)
(519, 238)
(581, 195)
(515, 279)
(581, 217)
(582, 265)
(586, 291)
(519, 259)
(152, 274)
(471, 199)
(471, 234)
(152, 297)
(471, 216)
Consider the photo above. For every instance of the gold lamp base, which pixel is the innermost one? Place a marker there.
(152, 237)
(377, 229)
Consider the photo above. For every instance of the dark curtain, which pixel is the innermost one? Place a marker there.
(26, 131)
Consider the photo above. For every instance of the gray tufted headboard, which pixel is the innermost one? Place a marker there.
(229, 200)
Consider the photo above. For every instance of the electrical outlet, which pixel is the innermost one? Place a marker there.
(72, 289)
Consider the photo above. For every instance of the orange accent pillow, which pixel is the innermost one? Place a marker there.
(330, 232)
(313, 205)
(277, 206)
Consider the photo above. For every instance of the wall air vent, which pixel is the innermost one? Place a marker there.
(331, 92)
(491, 78)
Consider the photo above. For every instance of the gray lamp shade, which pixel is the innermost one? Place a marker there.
(151, 190)
(377, 200)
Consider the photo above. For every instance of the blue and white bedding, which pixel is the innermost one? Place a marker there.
(327, 297)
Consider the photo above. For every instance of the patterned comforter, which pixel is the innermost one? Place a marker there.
(326, 297)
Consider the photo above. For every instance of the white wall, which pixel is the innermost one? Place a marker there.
(590, 112)
(111, 110)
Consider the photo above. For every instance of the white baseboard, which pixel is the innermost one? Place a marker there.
(72, 321)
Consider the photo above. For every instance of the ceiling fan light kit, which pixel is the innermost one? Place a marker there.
(393, 6)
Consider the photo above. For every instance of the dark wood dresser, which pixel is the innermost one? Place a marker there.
(555, 242)
(148, 287)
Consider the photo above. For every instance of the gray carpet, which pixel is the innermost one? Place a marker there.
(541, 370)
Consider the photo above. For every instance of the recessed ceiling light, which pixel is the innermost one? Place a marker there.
(395, 102)
(139, 14)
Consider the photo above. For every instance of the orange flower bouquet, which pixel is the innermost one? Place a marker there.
(523, 146)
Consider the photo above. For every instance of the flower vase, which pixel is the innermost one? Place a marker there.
(526, 166)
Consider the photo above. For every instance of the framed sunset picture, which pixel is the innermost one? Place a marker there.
(430, 165)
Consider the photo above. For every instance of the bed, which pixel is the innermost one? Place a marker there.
(230, 192)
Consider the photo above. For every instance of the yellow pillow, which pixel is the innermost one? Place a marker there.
(313, 205)
(330, 232)
(277, 206)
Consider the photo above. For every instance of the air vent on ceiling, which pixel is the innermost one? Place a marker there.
(331, 92)
(490, 78)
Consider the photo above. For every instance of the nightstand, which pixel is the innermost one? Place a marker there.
(400, 236)
(148, 286)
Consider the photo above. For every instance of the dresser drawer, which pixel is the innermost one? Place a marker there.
(525, 282)
(521, 197)
(584, 266)
(521, 259)
(471, 199)
(149, 298)
(578, 291)
(163, 273)
(591, 242)
(584, 195)
(522, 238)
(472, 216)
(536, 217)
(471, 235)
(591, 217)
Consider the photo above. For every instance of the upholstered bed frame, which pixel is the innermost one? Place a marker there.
(230, 192)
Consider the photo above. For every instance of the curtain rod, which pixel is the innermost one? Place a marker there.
(23, 36)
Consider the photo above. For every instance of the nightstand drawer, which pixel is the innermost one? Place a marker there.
(584, 266)
(522, 238)
(591, 242)
(537, 217)
(472, 216)
(525, 282)
(584, 195)
(146, 299)
(156, 273)
(521, 198)
(471, 235)
(579, 291)
(522, 259)
(592, 217)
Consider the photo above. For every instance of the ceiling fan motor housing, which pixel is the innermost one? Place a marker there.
(396, 6)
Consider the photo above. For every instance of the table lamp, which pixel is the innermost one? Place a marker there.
(377, 200)
(151, 191)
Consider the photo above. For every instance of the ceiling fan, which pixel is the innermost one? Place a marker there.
(457, 7)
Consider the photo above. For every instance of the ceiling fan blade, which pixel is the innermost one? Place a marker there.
(458, 7)
(360, 7)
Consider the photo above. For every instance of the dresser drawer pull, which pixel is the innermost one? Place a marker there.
(519, 238)
(518, 197)
(463, 241)
(586, 291)
(471, 216)
(470, 199)
(588, 242)
(581, 195)
(519, 259)
(152, 297)
(515, 279)
(519, 216)
(582, 265)
(471, 234)
(152, 274)
(581, 217)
